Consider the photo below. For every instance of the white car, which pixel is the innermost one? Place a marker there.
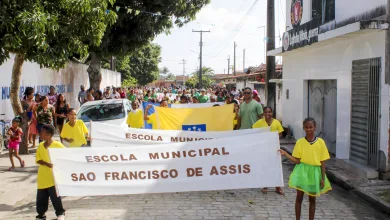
(110, 111)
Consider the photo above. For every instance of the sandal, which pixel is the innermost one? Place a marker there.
(11, 168)
(22, 164)
(279, 191)
(264, 190)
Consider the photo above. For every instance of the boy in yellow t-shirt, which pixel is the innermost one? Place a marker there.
(134, 118)
(74, 131)
(45, 180)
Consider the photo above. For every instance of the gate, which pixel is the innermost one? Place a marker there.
(322, 106)
(365, 111)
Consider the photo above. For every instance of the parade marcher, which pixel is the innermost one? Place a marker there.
(122, 93)
(15, 137)
(44, 114)
(28, 104)
(52, 95)
(61, 110)
(107, 94)
(135, 117)
(308, 176)
(45, 179)
(98, 95)
(151, 119)
(274, 124)
(147, 96)
(250, 111)
(90, 95)
(203, 98)
(75, 131)
(183, 99)
(82, 95)
(195, 99)
(235, 111)
(131, 96)
(115, 94)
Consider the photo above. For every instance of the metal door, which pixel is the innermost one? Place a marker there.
(322, 106)
(365, 111)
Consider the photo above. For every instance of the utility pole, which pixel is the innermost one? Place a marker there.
(387, 47)
(200, 57)
(184, 71)
(234, 65)
(228, 59)
(270, 92)
(243, 56)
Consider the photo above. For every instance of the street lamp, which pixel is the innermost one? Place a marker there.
(265, 56)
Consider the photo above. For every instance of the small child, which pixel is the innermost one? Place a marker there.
(135, 117)
(310, 154)
(45, 180)
(15, 137)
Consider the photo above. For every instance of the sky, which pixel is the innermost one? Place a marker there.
(228, 21)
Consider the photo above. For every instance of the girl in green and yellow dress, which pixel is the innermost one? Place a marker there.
(275, 126)
(308, 177)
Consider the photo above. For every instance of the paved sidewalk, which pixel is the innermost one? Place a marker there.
(220, 205)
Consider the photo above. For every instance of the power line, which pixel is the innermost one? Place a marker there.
(233, 33)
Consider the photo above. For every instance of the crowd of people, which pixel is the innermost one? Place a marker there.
(46, 113)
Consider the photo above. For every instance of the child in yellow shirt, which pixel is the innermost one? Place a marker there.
(74, 131)
(135, 117)
(308, 176)
(269, 121)
(45, 180)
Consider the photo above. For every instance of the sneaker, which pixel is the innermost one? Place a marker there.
(61, 217)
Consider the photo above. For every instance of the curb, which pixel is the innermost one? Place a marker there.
(348, 185)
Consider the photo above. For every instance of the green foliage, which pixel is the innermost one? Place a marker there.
(135, 28)
(164, 70)
(142, 65)
(50, 31)
(129, 82)
(170, 76)
(207, 73)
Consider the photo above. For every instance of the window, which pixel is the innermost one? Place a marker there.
(324, 10)
(101, 112)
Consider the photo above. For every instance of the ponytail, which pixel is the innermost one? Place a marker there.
(18, 119)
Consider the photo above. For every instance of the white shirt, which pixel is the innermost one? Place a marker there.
(115, 95)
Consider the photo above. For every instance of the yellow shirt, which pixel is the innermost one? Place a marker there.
(135, 119)
(311, 154)
(234, 119)
(275, 125)
(77, 133)
(152, 120)
(45, 175)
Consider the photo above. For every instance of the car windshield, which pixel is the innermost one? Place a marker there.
(101, 112)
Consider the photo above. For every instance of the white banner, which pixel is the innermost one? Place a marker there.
(197, 105)
(249, 161)
(107, 135)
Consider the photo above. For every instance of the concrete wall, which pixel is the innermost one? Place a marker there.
(67, 81)
(333, 60)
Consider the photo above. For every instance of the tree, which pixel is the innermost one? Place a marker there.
(164, 70)
(141, 64)
(139, 21)
(130, 82)
(48, 32)
(170, 76)
(206, 78)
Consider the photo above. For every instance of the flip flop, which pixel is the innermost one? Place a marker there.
(22, 164)
(11, 168)
(264, 190)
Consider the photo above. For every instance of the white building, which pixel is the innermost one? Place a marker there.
(334, 71)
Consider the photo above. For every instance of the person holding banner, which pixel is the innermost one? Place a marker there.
(151, 119)
(308, 176)
(74, 131)
(250, 111)
(203, 98)
(274, 124)
(45, 180)
(134, 118)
